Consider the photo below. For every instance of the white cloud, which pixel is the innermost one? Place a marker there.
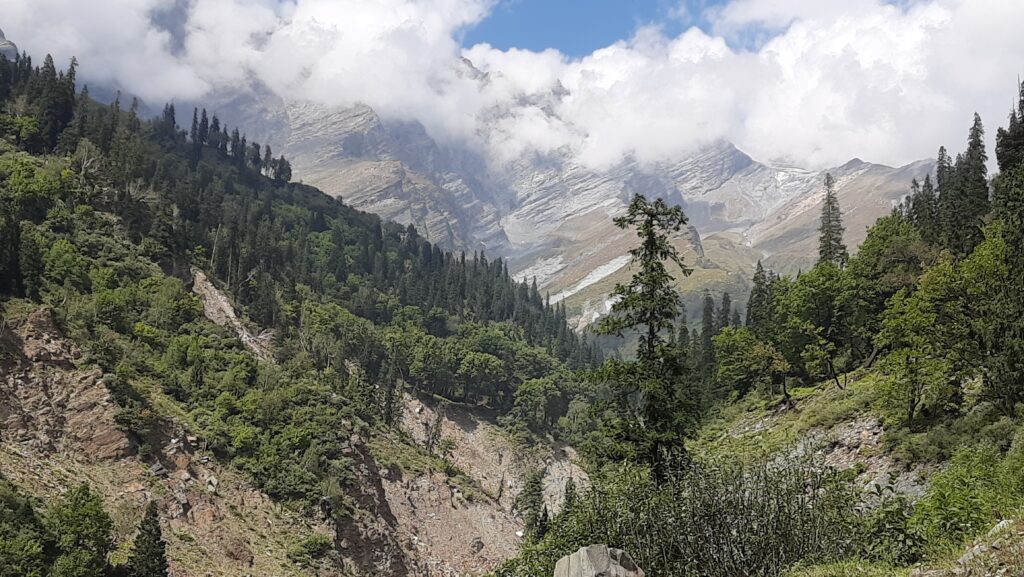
(827, 80)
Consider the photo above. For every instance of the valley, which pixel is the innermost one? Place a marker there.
(550, 216)
(346, 296)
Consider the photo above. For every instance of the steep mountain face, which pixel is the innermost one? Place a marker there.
(551, 216)
(7, 48)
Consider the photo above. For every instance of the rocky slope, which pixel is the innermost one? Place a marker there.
(58, 428)
(464, 522)
(423, 510)
(550, 214)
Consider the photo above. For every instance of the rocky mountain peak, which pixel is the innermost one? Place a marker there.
(7, 48)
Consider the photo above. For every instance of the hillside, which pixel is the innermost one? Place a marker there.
(207, 368)
(550, 215)
(184, 327)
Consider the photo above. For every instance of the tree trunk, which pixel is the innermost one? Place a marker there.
(832, 372)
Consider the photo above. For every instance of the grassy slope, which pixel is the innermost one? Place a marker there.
(754, 427)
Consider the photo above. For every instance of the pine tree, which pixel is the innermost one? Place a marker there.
(707, 333)
(203, 133)
(947, 210)
(193, 133)
(831, 247)
(972, 174)
(724, 313)
(650, 301)
(926, 211)
(1010, 140)
(569, 500)
(530, 503)
(149, 554)
(735, 321)
(758, 313)
(543, 523)
(1004, 329)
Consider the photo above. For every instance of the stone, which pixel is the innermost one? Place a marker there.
(597, 561)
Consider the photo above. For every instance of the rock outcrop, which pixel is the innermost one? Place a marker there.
(7, 48)
(597, 561)
(48, 403)
(218, 309)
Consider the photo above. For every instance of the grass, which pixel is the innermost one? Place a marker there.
(849, 569)
(390, 452)
(755, 427)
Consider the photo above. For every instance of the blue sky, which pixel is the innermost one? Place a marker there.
(578, 27)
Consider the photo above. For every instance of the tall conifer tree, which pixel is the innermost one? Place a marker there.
(149, 555)
(831, 247)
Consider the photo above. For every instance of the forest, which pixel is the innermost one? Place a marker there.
(105, 214)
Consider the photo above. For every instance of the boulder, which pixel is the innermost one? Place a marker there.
(597, 561)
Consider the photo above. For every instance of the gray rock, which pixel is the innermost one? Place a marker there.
(597, 561)
(7, 48)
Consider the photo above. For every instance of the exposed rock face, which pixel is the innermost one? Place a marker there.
(7, 48)
(550, 214)
(218, 309)
(50, 405)
(597, 561)
(453, 529)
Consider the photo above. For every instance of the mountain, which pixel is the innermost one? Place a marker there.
(7, 48)
(550, 215)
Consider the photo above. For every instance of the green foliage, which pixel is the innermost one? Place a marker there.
(83, 532)
(530, 505)
(149, 553)
(708, 521)
(650, 300)
(313, 547)
(978, 488)
(743, 363)
(889, 535)
(25, 542)
(815, 313)
(72, 538)
(831, 248)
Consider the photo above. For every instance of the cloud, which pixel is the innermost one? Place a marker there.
(814, 82)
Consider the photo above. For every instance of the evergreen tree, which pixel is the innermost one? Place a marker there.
(972, 175)
(683, 332)
(193, 133)
(530, 503)
(203, 132)
(1010, 140)
(707, 333)
(724, 313)
(947, 209)
(543, 523)
(650, 300)
(758, 313)
(655, 411)
(149, 554)
(926, 211)
(569, 499)
(831, 247)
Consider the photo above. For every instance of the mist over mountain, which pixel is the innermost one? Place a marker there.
(550, 214)
(317, 288)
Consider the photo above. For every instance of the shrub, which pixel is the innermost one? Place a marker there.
(312, 547)
(708, 521)
(978, 488)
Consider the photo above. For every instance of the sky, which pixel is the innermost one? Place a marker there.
(573, 27)
(806, 82)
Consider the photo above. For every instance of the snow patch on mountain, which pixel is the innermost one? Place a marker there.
(598, 274)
